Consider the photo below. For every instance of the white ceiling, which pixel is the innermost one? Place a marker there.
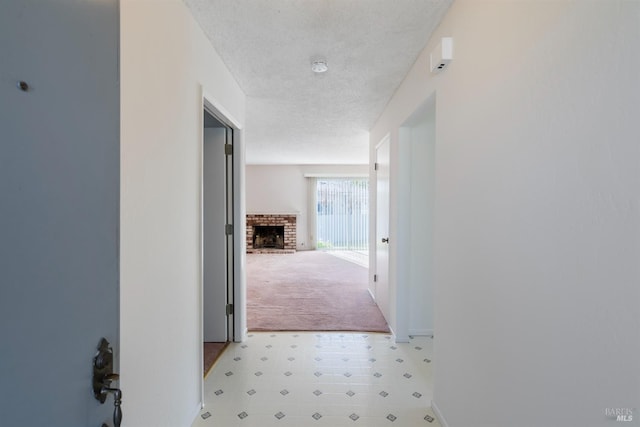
(293, 115)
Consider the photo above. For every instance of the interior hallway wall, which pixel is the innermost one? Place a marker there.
(284, 189)
(165, 59)
(417, 136)
(537, 210)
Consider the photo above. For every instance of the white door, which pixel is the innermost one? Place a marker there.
(215, 238)
(382, 228)
(59, 211)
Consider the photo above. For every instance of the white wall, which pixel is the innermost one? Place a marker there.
(165, 59)
(284, 189)
(537, 210)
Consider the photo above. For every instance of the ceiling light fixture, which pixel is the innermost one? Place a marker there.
(319, 66)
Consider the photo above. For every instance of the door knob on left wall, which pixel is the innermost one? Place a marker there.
(385, 240)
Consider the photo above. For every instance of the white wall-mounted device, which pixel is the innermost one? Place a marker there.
(442, 55)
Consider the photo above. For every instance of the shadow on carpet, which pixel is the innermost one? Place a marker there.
(309, 291)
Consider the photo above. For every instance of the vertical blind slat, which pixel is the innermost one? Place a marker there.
(342, 213)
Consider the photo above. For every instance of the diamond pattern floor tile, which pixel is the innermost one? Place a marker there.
(321, 379)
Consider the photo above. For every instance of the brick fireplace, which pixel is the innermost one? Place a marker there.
(265, 229)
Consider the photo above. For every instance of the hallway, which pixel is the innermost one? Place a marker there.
(513, 207)
(321, 379)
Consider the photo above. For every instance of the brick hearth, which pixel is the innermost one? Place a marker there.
(286, 220)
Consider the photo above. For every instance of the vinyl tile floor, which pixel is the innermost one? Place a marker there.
(320, 379)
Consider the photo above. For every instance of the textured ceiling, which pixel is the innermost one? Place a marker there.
(295, 116)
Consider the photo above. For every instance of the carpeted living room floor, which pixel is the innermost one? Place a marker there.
(305, 291)
(309, 291)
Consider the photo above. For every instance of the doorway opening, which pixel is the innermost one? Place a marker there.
(405, 206)
(217, 237)
(311, 290)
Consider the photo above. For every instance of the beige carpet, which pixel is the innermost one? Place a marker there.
(309, 291)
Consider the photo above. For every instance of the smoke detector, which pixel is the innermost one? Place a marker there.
(319, 66)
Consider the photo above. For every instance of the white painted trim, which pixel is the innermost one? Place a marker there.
(196, 412)
(391, 330)
(240, 244)
(403, 339)
(214, 106)
(438, 414)
(210, 104)
(400, 227)
(201, 243)
(383, 140)
(393, 334)
(372, 296)
(396, 338)
(421, 332)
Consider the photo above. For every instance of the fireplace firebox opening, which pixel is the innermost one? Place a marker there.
(268, 236)
(285, 244)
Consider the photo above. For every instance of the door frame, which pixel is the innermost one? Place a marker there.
(400, 213)
(217, 212)
(374, 290)
(236, 214)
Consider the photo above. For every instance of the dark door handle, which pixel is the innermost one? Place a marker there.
(103, 375)
(385, 240)
(117, 401)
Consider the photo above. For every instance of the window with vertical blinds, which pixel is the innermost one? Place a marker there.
(342, 213)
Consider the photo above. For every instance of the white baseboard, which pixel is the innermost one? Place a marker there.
(393, 334)
(438, 414)
(196, 412)
(243, 336)
(403, 339)
(421, 332)
(372, 296)
(396, 338)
